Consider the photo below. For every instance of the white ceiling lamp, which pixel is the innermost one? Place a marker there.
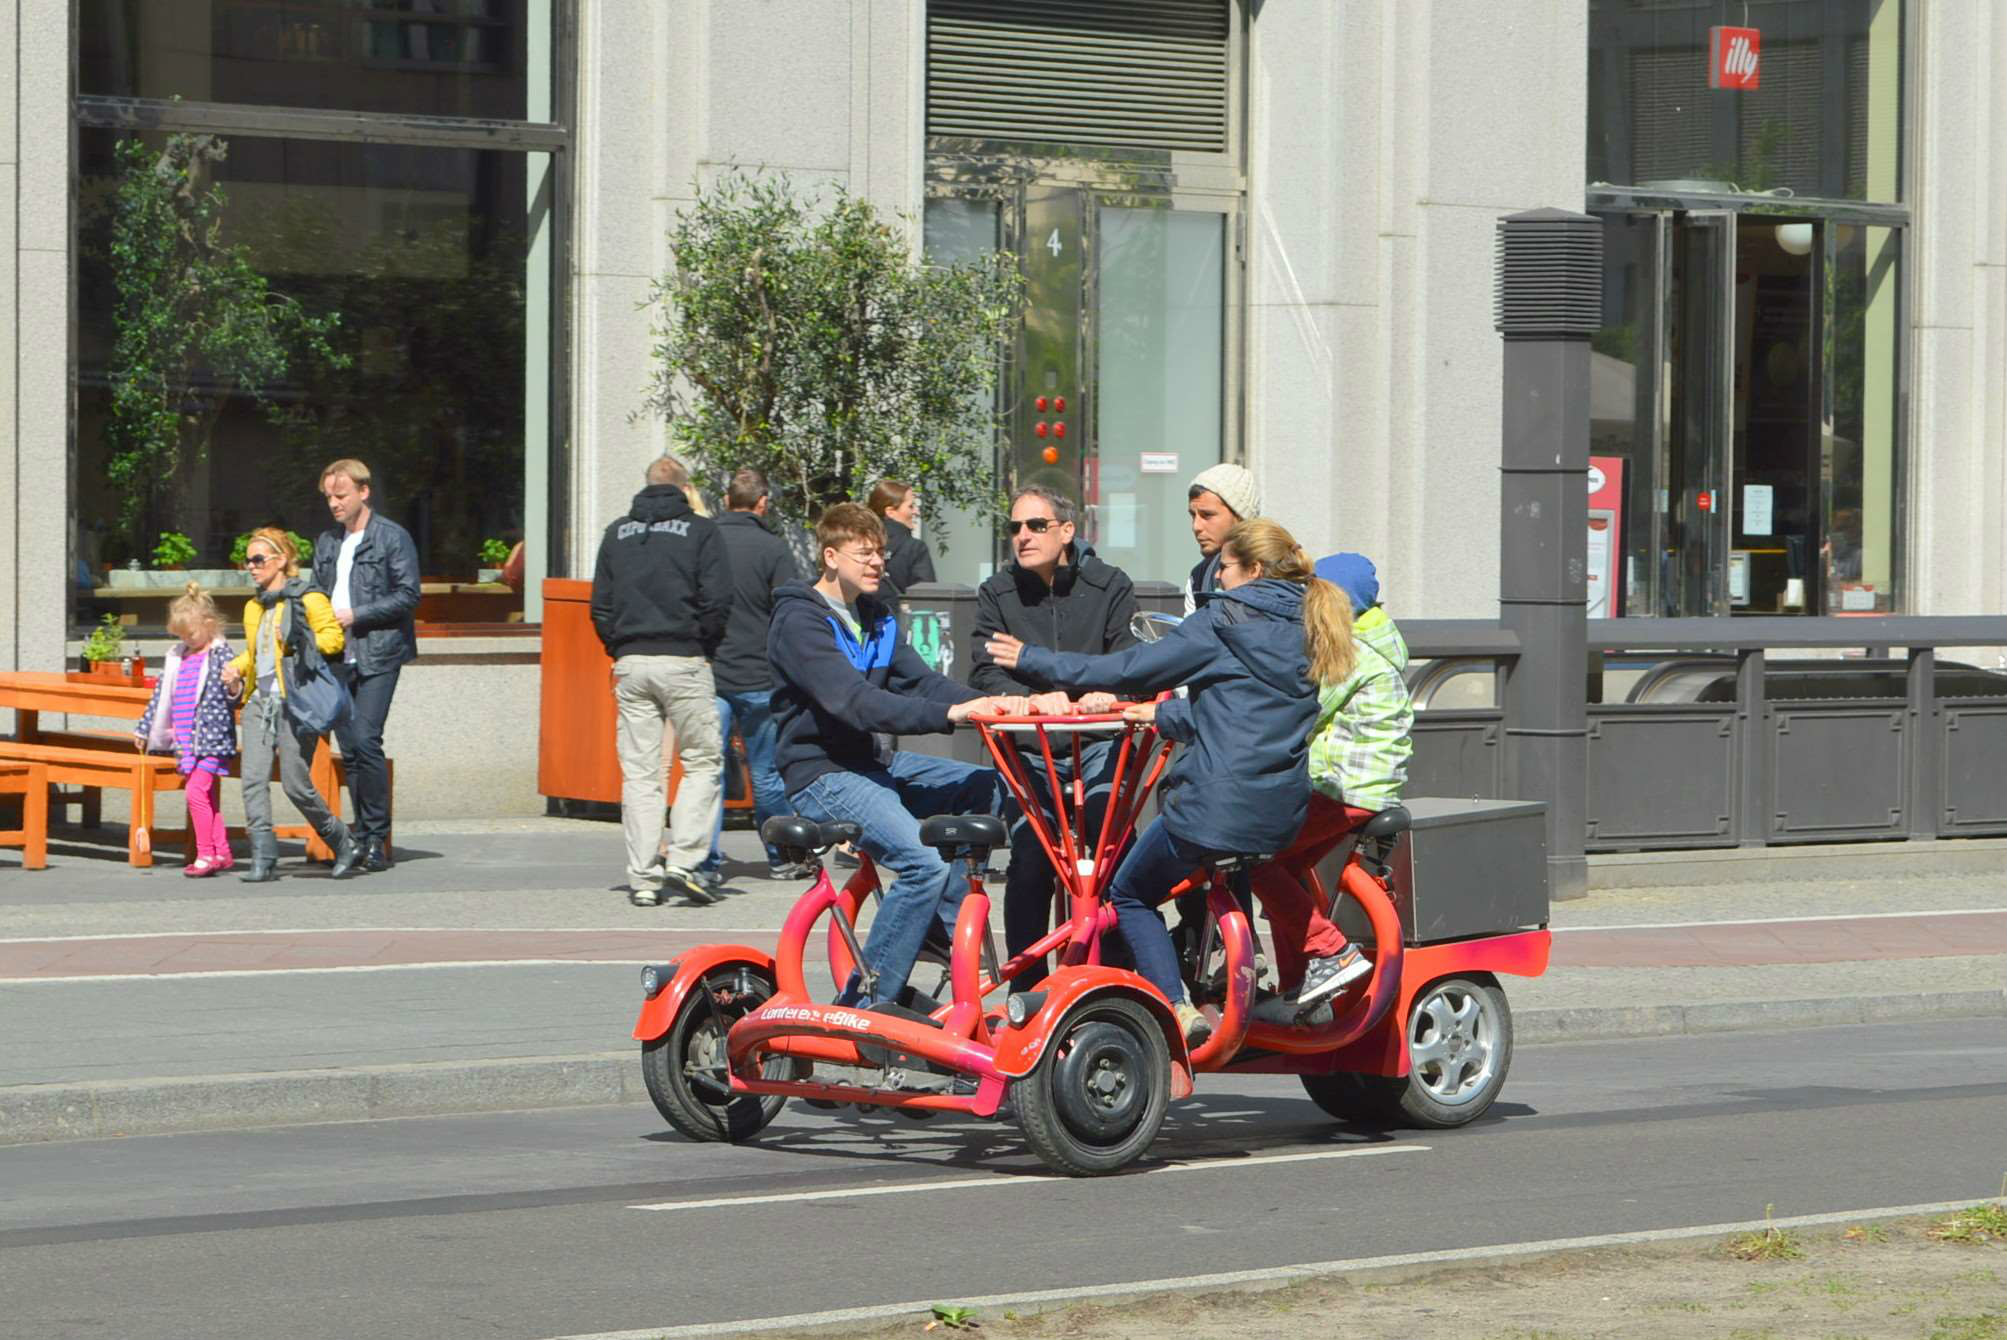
(1795, 238)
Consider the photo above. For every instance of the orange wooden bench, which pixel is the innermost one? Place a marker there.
(93, 760)
(30, 781)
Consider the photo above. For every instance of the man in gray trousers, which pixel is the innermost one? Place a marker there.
(661, 593)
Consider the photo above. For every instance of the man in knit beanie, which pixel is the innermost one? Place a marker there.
(1220, 496)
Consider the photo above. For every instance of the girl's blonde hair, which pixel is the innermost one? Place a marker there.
(282, 545)
(1327, 611)
(194, 613)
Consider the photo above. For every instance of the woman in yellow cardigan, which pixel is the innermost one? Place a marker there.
(275, 569)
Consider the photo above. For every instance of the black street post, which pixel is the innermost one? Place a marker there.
(1549, 302)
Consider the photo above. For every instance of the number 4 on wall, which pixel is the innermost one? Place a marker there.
(1052, 243)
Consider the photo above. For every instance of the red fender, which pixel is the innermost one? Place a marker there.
(659, 1013)
(1384, 1050)
(1018, 1049)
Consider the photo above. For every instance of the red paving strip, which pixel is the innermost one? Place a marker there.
(1846, 940)
(1924, 935)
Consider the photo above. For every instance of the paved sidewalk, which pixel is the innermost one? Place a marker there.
(493, 968)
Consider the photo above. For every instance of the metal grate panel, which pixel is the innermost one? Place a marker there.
(1147, 74)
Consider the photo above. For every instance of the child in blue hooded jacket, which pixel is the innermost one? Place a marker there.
(1251, 656)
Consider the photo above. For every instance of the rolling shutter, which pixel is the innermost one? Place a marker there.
(1148, 74)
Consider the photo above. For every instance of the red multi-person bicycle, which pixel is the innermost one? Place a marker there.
(1091, 1058)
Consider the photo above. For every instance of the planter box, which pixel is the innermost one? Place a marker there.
(173, 578)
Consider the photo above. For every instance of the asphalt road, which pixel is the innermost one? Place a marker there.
(524, 1224)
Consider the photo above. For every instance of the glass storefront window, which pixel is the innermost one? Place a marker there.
(1823, 119)
(462, 58)
(435, 262)
(956, 229)
(1858, 554)
(1161, 356)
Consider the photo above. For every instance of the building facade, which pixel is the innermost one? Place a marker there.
(1257, 230)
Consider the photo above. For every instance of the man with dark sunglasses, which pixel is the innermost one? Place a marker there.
(1055, 593)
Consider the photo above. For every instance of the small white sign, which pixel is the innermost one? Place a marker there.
(1596, 479)
(1855, 599)
(1756, 509)
(1160, 462)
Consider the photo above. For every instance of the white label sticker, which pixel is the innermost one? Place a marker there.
(1757, 500)
(1160, 462)
(1857, 597)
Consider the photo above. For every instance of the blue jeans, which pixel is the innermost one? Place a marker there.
(1156, 864)
(754, 713)
(1028, 886)
(887, 804)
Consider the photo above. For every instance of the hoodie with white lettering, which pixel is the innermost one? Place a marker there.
(663, 583)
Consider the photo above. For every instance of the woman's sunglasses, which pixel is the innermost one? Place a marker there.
(259, 560)
(1037, 525)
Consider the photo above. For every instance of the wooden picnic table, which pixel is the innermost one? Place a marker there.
(33, 692)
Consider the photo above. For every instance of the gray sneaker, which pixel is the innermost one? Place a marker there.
(644, 895)
(1326, 977)
(1286, 1013)
(677, 880)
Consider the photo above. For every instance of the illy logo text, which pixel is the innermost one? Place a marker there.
(1735, 58)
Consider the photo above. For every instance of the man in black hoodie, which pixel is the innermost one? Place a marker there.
(761, 565)
(661, 593)
(1057, 595)
(840, 674)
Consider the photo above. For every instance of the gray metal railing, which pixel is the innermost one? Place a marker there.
(1842, 760)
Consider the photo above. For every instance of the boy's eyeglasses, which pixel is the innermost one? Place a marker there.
(864, 556)
(1037, 525)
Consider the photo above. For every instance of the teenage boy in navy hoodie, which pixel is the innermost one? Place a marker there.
(840, 674)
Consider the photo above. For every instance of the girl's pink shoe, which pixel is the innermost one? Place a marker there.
(201, 867)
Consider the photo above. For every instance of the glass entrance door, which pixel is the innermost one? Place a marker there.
(1706, 385)
(1119, 389)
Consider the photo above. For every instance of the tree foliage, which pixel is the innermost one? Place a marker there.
(193, 321)
(808, 342)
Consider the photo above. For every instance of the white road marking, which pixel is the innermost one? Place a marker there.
(208, 974)
(1782, 921)
(1035, 1179)
(397, 930)
(1278, 1274)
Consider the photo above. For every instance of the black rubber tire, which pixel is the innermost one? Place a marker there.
(1086, 1131)
(1417, 1100)
(695, 1104)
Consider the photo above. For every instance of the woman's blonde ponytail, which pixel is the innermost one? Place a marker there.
(1327, 611)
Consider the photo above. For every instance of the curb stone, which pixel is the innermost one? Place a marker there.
(38, 1113)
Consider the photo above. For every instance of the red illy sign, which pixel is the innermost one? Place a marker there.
(1734, 57)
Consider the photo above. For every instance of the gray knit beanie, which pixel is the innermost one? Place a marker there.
(1235, 487)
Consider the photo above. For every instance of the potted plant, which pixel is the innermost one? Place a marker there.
(105, 648)
(173, 551)
(494, 553)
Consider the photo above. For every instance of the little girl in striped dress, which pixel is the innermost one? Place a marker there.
(200, 723)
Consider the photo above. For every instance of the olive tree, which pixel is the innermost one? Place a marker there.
(808, 341)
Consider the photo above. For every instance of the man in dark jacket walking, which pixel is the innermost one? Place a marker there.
(661, 594)
(1054, 594)
(368, 565)
(761, 565)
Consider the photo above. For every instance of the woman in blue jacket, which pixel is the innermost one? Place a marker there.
(1251, 656)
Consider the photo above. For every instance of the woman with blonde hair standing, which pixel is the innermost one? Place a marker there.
(270, 641)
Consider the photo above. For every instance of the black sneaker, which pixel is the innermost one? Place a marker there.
(690, 886)
(1326, 977)
(792, 870)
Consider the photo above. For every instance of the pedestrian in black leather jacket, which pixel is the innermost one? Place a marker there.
(368, 566)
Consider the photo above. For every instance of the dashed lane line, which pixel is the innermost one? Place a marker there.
(1021, 1180)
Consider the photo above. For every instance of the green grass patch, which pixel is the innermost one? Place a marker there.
(1974, 1227)
(1988, 1325)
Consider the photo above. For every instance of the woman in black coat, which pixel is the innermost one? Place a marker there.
(908, 560)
